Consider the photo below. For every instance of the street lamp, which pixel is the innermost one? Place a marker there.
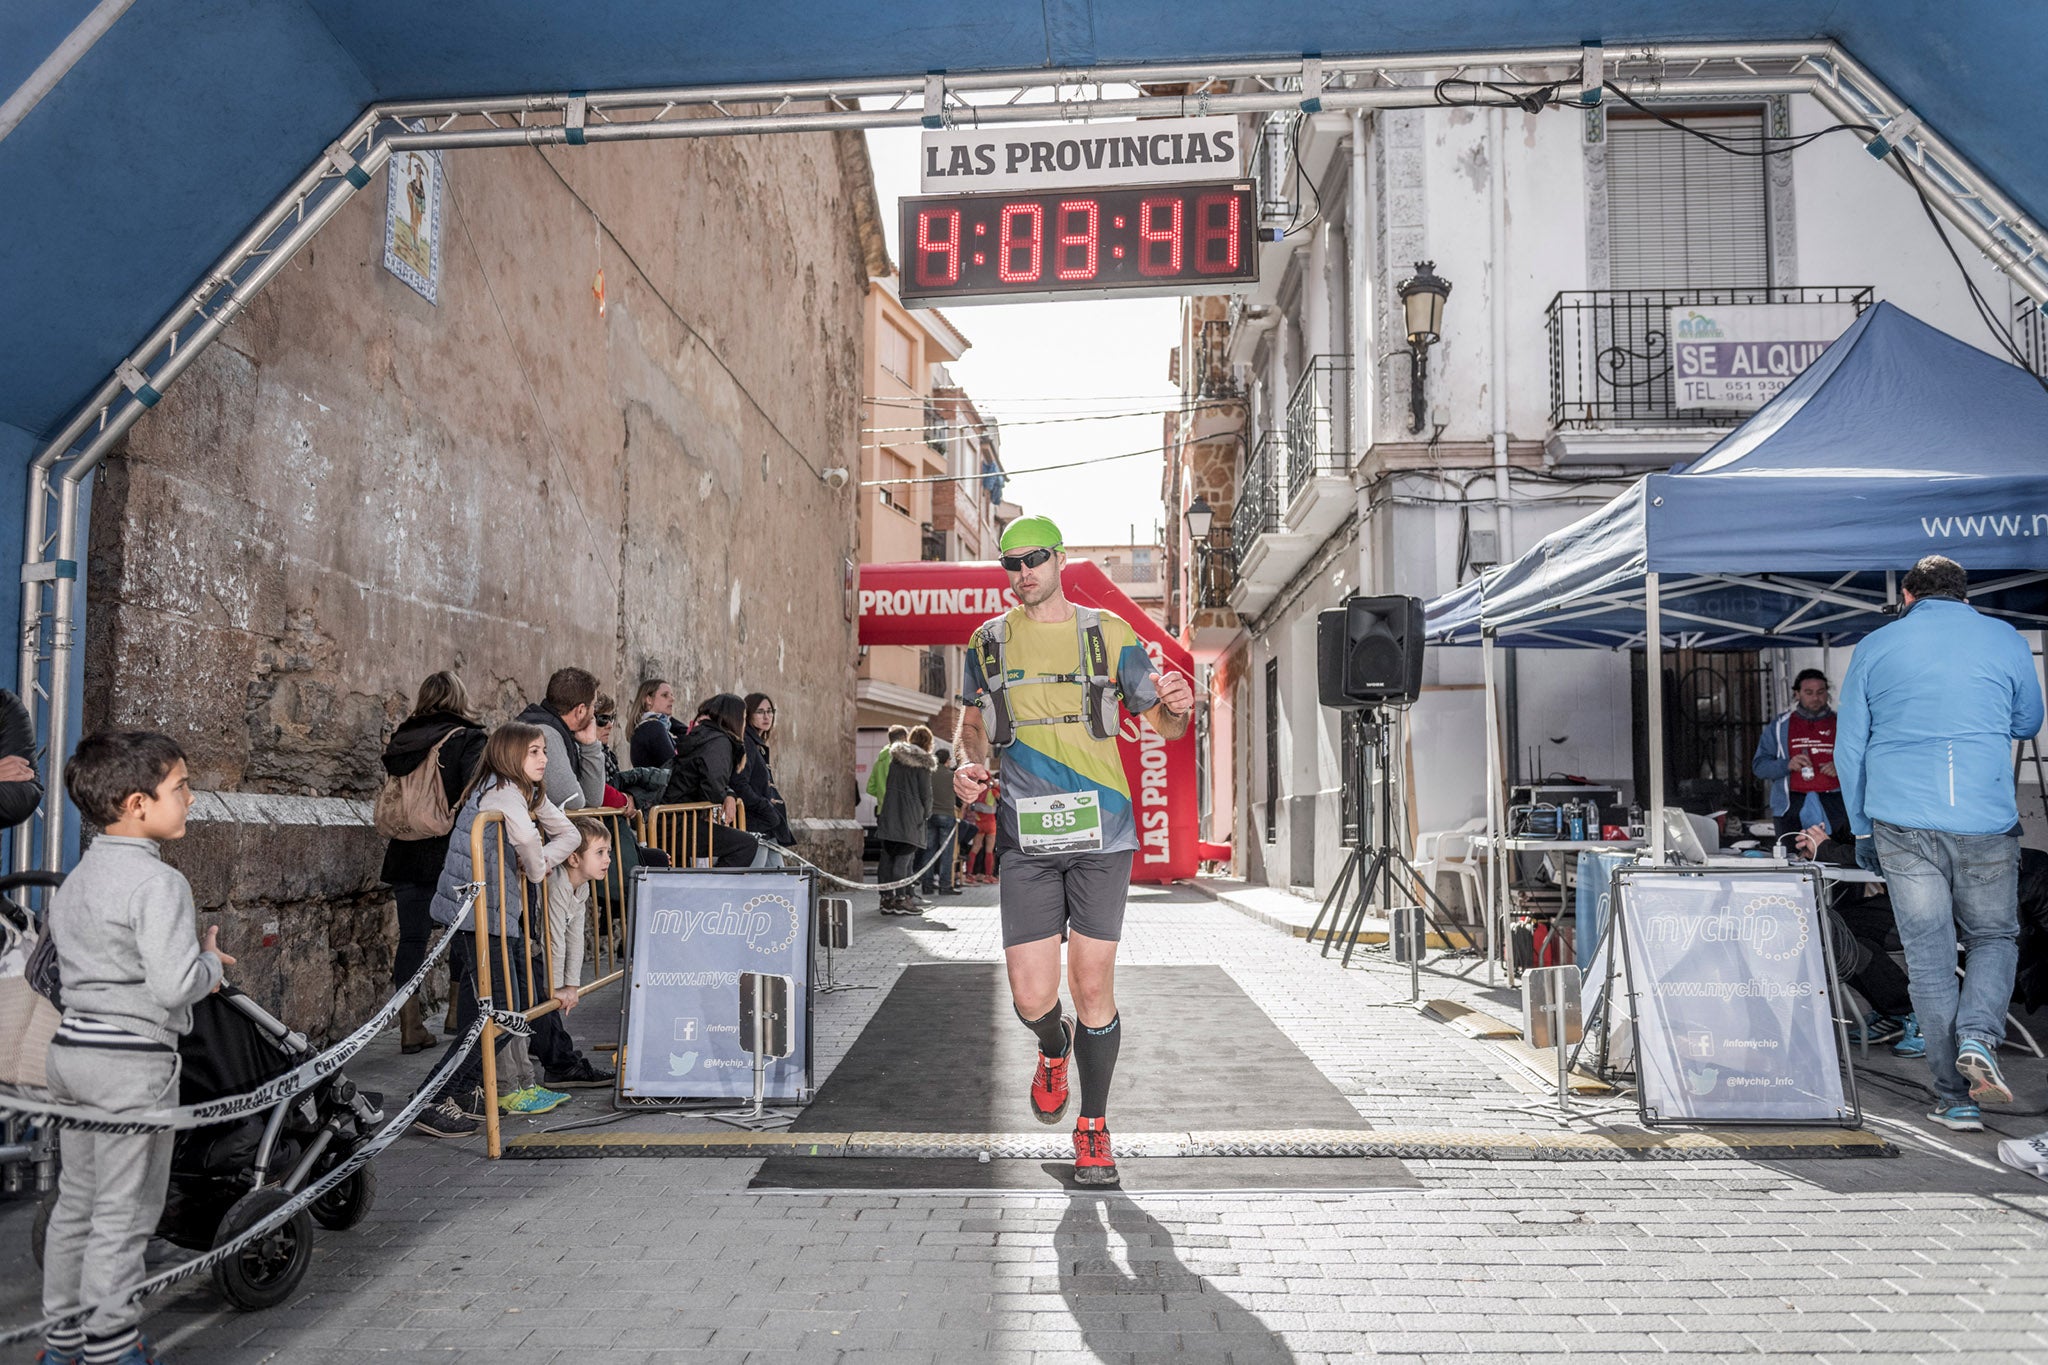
(1422, 297)
(1201, 523)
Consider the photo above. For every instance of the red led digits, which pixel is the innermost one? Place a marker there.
(946, 247)
(1215, 229)
(1031, 244)
(1159, 236)
(1086, 240)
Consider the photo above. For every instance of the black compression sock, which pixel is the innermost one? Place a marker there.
(1052, 1035)
(1095, 1052)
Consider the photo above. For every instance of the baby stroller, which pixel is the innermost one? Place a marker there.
(229, 1176)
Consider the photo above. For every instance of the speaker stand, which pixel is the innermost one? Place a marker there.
(1376, 862)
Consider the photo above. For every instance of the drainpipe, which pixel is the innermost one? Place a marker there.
(1358, 237)
(1497, 249)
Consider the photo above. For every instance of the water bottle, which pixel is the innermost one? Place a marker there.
(1635, 820)
(1577, 830)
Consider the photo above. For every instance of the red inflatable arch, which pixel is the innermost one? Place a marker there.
(940, 603)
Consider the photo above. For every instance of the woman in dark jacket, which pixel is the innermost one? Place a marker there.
(906, 809)
(709, 756)
(413, 866)
(766, 813)
(651, 729)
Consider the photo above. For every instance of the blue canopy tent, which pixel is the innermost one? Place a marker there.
(1898, 441)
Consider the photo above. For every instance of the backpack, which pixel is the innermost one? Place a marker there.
(1098, 684)
(416, 806)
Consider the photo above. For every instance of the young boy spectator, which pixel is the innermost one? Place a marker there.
(569, 905)
(128, 953)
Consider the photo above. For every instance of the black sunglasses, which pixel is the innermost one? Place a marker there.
(605, 718)
(1030, 559)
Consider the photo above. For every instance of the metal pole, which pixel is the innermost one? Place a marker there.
(1653, 702)
(1495, 901)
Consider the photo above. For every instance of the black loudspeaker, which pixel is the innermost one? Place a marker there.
(1369, 652)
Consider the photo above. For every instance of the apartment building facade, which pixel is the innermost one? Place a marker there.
(1324, 455)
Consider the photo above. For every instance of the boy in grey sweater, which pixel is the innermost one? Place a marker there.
(129, 957)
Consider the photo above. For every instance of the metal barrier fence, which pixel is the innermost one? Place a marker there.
(683, 831)
(495, 914)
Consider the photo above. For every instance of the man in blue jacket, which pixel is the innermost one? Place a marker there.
(1796, 755)
(1923, 744)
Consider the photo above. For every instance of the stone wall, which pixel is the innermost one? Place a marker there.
(357, 487)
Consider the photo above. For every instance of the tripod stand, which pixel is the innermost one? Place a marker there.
(1376, 858)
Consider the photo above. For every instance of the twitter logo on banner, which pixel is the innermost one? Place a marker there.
(683, 1065)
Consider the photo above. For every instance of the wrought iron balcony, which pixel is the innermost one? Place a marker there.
(1215, 570)
(1258, 494)
(934, 425)
(1610, 355)
(1319, 423)
(931, 673)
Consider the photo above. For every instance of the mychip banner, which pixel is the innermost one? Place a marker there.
(1732, 991)
(694, 932)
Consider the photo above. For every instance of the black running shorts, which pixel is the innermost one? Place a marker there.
(1082, 892)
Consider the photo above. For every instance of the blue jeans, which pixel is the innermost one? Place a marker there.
(937, 835)
(1947, 888)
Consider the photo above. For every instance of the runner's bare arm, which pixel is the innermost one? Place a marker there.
(970, 750)
(1176, 706)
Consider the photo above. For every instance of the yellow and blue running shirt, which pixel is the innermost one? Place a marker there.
(1050, 759)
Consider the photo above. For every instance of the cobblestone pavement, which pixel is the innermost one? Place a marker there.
(1939, 1253)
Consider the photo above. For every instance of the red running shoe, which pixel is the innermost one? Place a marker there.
(1094, 1164)
(1049, 1092)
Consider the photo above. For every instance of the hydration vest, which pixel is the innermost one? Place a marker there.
(1098, 684)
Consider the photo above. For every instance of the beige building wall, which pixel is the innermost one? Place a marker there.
(358, 487)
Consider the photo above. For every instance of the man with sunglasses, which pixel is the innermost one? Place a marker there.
(1043, 682)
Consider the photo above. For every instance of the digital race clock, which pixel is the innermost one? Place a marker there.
(1157, 239)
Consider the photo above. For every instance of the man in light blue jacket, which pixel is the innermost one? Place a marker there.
(1923, 744)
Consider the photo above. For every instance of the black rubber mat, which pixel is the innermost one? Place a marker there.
(945, 1053)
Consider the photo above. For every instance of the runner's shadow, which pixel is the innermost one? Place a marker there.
(1156, 1309)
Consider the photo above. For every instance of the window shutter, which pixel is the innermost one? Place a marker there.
(1682, 213)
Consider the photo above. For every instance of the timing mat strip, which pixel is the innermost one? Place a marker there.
(1754, 1144)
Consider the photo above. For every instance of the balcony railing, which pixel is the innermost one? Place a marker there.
(1610, 356)
(1319, 422)
(934, 425)
(1258, 494)
(1215, 570)
(931, 673)
(931, 544)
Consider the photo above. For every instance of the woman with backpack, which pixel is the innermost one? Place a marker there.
(427, 764)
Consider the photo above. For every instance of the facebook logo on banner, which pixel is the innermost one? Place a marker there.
(686, 1030)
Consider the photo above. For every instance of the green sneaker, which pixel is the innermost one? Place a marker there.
(532, 1100)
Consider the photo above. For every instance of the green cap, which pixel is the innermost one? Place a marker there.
(1027, 533)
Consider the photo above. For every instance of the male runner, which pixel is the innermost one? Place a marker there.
(1064, 825)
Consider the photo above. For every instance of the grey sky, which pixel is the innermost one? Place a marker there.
(1040, 360)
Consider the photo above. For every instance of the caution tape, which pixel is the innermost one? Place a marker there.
(284, 1212)
(945, 847)
(271, 1093)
